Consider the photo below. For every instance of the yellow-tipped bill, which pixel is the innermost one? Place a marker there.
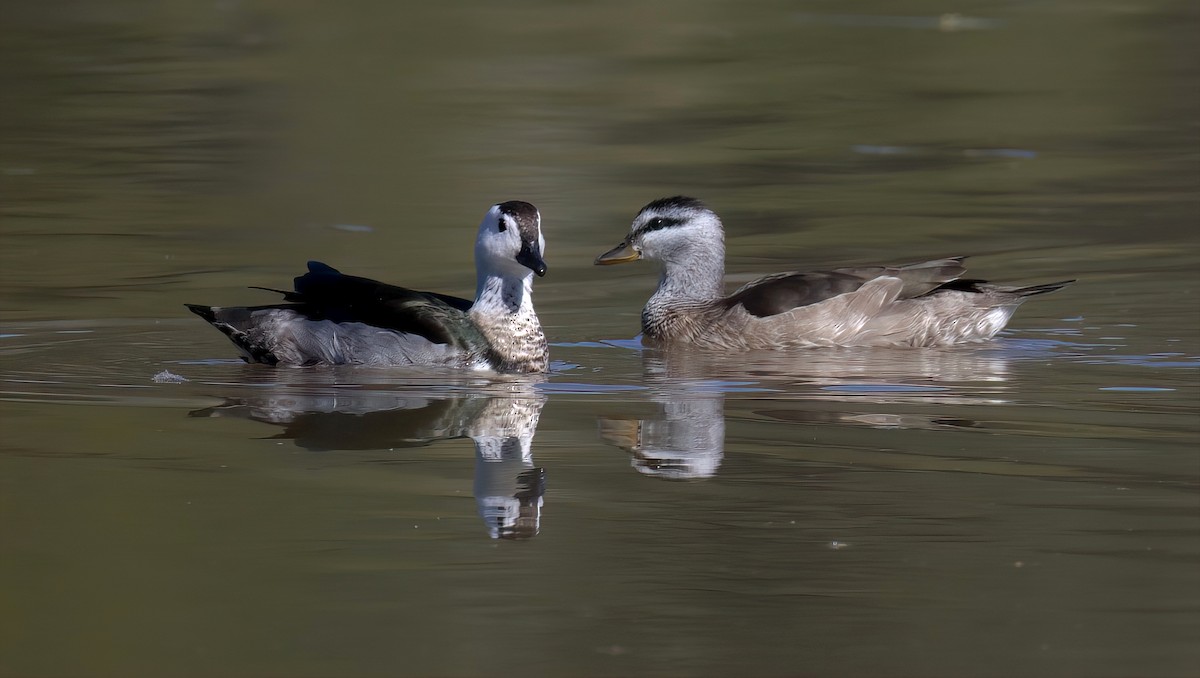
(618, 255)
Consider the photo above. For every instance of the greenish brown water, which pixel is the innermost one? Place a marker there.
(1026, 507)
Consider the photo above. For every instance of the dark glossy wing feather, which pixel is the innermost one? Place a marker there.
(324, 293)
(781, 293)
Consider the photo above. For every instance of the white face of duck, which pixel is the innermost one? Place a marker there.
(671, 230)
(510, 241)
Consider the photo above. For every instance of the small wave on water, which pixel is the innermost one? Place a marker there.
(136, 362)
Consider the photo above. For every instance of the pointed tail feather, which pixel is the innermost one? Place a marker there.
(1041, 289)
(234, 322)
(207, 312)
(287, 296)
(229, 318)
(224, 318)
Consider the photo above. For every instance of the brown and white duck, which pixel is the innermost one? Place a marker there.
(922, 304)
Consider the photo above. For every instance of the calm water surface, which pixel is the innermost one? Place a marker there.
(1026, 507)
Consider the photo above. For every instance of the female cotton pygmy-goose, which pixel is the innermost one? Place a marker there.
(924, 304)
(337, 319)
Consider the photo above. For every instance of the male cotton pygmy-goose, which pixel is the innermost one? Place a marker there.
(924, 304)
(335, 319)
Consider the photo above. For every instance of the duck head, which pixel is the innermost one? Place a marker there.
(510, 240)
(674, 230)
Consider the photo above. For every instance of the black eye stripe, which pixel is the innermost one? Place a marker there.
(659, 223)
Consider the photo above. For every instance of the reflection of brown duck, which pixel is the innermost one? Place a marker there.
(923, 304)
(685, 437)
(508, 488)
(685, 441)
(934, 375)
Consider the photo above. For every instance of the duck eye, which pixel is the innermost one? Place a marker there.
(659, 223)
(502, 226)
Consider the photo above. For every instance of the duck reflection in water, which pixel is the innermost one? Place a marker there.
(685, 442)
(685, 438)
(508, 487)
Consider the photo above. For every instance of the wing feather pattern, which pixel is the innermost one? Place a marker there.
(324, 293)
(784, 292)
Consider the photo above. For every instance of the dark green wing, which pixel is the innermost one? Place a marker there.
(324, 293)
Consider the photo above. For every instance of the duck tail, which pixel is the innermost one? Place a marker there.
(287, 296)
(232, 320)
(237, 323)
(207, 312)
(1046, 288)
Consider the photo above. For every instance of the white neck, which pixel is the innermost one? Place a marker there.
(503, 311)
(498, 295)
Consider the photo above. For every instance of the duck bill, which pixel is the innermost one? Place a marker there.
(530, 259)
(618, 255)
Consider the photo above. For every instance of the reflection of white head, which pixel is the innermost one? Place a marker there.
(510, 517)
(508, 489)
(677, 464)
(689, 441)
(686, 442)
